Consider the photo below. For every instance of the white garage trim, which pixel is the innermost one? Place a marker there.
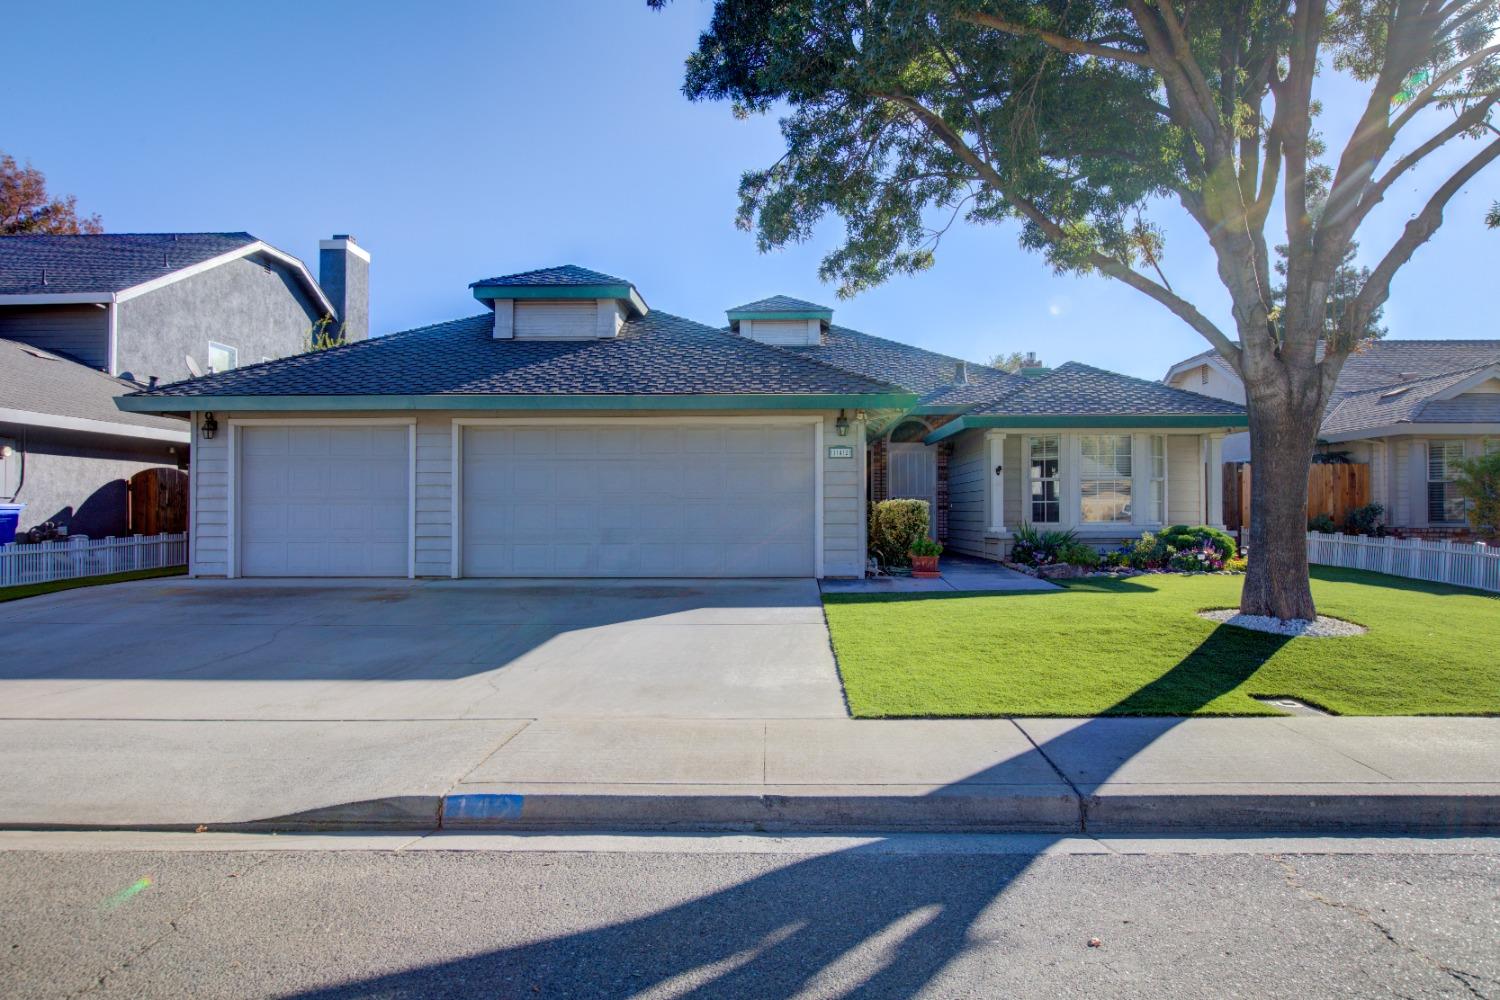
(232, 516)
(459, 423)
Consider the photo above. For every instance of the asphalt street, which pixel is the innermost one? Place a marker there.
(741, 916)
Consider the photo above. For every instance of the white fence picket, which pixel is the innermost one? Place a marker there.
(1463, 564)
(72, 558)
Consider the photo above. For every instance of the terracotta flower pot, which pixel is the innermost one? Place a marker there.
(925, 567)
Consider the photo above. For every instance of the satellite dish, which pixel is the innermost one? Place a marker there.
(192, 365)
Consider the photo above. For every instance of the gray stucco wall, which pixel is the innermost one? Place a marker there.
(258, 309)
(345, 278)
(79, 480)
(80, 331)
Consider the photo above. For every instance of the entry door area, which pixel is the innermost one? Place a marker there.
(632, 499)
(912, 475)
(322, 500)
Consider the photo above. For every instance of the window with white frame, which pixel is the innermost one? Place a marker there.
(1159, 478)
(1044, 463)
(1491, 445)
(222, 357)
(1444, 504)
(1104, 472)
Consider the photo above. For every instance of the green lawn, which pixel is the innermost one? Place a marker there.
(1136, 647)
(35, 589)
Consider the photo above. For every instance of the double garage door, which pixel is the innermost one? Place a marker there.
(621, 499)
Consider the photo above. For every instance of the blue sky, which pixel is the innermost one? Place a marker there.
(461, 140)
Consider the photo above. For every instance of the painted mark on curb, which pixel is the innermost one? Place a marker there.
(482, 807)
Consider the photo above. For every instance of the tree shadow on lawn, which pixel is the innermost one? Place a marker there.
(773, 934)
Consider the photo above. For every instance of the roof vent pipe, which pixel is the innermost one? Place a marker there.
(961, 373)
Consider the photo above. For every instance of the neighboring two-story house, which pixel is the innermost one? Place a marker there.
(84, 318)
(1410, 409)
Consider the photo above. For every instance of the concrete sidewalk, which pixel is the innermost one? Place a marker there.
(1059, 776)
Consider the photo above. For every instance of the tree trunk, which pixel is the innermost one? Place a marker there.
(1284, 420)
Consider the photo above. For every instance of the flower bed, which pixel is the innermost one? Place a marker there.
(1178, 549)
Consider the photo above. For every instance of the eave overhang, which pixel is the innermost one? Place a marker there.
(623, 292)
(1067, 421)
(459, 401)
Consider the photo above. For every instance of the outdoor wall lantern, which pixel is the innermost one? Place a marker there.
(999, 470)
(210, 427)
(842, 425)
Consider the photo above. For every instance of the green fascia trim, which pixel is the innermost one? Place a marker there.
(935, 409)
(1200, 421)
(728, 401)
(628, 293)
(826, 315)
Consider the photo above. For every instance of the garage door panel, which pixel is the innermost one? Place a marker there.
(323, 501)
(636, 500)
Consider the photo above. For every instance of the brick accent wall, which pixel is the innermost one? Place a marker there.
(879, 464)
(879, 471)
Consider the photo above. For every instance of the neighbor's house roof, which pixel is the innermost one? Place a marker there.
(1382, 362)
(1079, 395)
(658, 361)
(41, 389)
(105, 267)
(1435, 403)
(933, 376)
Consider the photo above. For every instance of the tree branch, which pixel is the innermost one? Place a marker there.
(1430, 92)
(1062, 43)
(1418, 231)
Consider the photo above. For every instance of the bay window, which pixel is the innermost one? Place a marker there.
(1043, 463)
(1159, 478)
(1104, 474)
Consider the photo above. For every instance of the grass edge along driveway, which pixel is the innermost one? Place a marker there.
(21, 590)
(1136, 646)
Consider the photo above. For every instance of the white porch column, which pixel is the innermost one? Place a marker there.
(995, 470)
(1215, 471)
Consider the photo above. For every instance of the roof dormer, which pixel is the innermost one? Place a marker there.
(782, 320)
(559, 303)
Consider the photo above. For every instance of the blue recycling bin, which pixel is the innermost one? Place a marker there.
(10, 516)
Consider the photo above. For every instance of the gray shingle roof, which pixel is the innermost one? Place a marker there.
(654, 354)
(1079, 389)
(1386, 362)
(103, 262)
(1412, 401)
(781, 303)
(562, 276)
(929, 374)
(37, 381)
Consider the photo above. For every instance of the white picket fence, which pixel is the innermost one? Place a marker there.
(1464, 564)
(70, 558)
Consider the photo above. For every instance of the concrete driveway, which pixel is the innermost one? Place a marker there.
(425, 650)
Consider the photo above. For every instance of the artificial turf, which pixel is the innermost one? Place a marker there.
(1136, 646)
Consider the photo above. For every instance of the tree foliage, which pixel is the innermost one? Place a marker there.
(1479, 483)
(26, 208)
(1014, 361)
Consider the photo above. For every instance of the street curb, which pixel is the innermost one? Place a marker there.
(951, 811)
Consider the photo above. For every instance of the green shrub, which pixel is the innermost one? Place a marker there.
(925, 546)
(1479, 483)
(1323, 523)
(1204, 558)
(1079, 554)
(1365, 520)
(1039, 548)
(1147, 552)
(895, 525)
(1180, 538)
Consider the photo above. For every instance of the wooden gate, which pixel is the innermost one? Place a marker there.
(1331, 489)
(158, 501)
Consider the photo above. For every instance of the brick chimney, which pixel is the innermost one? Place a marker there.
(344, 273)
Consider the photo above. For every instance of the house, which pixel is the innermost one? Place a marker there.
(570, 430)
(87, 317)
(1407, 408)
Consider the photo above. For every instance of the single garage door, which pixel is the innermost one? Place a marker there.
(631, 499)
(323, 500)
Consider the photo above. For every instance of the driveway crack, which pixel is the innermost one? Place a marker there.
(1460, 976)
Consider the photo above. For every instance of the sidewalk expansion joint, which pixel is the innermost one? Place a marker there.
(1083, 812)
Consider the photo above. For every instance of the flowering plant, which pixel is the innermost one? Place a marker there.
(1204, 559)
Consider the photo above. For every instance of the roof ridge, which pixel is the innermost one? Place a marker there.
(925, 350)
(782, 351)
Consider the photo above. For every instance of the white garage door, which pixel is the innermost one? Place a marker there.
(626, 500)
(323, 500)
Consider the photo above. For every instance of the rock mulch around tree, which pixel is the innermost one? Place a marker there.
(1297, 628)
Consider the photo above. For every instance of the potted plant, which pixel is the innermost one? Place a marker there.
(924, 554)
